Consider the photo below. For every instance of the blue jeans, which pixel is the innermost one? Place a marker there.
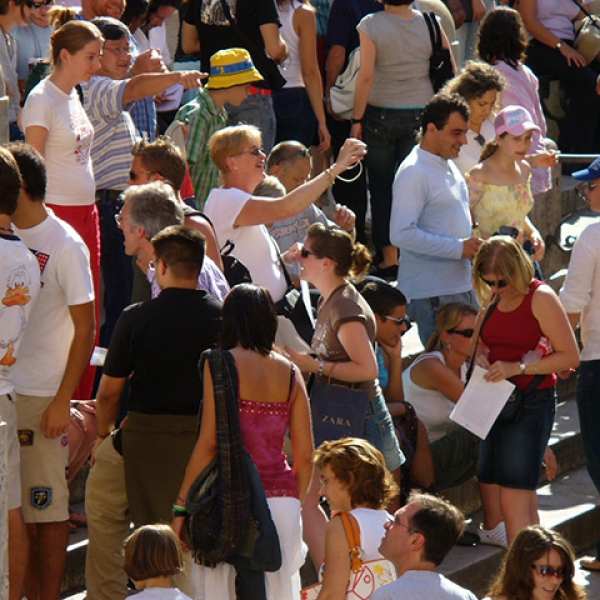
(379, 431)
(512, 453)
(295, 117)
(588, 403)
(256, 110)
(424, 311)
(390, 136)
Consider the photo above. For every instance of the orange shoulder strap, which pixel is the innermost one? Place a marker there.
(353, 534)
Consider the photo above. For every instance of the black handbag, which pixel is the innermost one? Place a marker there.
(512, 410)
(337, 411)
(234, 269)
(441, 68)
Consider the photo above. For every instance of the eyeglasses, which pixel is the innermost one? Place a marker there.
(411, 530)
(134, 176)
(118, 52)
(480, 140)
(37, 5)
(256, 152)
(304, 153)
(403, 321)
(586, 186)
(304, 253)
(466, 333)
(499, 283)
(548, 571)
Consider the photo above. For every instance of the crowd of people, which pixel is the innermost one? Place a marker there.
(175, 212)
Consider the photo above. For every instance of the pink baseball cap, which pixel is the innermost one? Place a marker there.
(514, 120)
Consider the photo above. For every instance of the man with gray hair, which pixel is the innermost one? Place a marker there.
(138, 469)
(148, 209)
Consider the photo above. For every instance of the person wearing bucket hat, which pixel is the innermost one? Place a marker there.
(231, 74)
(500, 185)
(580, 297)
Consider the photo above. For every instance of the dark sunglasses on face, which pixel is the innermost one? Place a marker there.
(548, 571)
(37, 5)
(134, 176)
(304, 253)
(466, 333)
(500, 283)
(403, 321)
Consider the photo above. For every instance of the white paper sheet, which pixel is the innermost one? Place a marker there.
(481, 403)
(288, 336)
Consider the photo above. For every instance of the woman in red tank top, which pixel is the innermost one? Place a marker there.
(529, 340)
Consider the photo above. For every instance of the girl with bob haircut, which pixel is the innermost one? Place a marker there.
(529, 340)
(272, 400)
(57, 126)
(344, 339)
(353, 479)
(538, 560)
(240, 216)
(502, 43)
(152, 557)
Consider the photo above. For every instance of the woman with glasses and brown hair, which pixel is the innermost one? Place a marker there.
(529, 340)
(540, 565)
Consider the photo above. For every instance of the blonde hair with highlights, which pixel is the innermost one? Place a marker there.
(504, 257)
(449, 317)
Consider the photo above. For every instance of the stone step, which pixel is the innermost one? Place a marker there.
(569, 504)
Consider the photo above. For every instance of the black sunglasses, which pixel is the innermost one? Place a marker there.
(500, 283)
(40, 4)
(304, 253)
(548, 571)
(403, 321)
(466, 333)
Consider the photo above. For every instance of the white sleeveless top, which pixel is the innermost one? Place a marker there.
(431, 406)
(290, 69)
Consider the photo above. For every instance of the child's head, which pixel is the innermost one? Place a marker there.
(290, 163)
(152, 551)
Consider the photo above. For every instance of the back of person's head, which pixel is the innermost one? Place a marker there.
(230, 141)
(21, 4)
(73, 36)
(249, 319)
(515, 579)
(163, 157)
(336, 244)
(286, 153)
(156, 4)
(270, 187)
(153, 206)
(382, 297)
(474, 80)
(439, 109)
(502, 36)
(152, 551)
(361, 467)
(111, 29)
(10, 182)
(439, 522)
(449, 317)
(182, 249)
(134, 9)
(32, 167)
(504, 257)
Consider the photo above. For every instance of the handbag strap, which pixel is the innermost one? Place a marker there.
(435, 34)
(353, 534)
(585, 12)
(488, 314)
(288, 279)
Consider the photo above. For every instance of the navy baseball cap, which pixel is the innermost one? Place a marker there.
(592, 172)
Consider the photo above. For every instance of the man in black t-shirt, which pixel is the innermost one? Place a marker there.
(156, 345)
(208, 28)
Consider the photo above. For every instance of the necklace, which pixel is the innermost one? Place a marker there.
(6, 229)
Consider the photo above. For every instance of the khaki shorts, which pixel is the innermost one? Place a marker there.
(8, 412)
(44, 462)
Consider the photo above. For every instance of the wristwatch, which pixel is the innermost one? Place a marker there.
(522, 367)
(355, 121)
(559, 44)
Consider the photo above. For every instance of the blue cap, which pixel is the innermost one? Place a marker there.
(592, 172)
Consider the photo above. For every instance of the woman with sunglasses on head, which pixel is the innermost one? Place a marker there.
(529, 340)
(540, 565)
(344, 340)
(239, 216)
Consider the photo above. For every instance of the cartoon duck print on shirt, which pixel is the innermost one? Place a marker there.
(12, 313)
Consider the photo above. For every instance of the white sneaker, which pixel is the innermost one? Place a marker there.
(494, 537)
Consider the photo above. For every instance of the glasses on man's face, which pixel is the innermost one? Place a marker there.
(38, 5)
(583, 188)
(466, 333)
(548, 571)
(400, 322)
(304, 253)
(499, 283)
(134, 176)
(118, 52)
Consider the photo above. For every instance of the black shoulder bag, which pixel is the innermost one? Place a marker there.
(440, 64)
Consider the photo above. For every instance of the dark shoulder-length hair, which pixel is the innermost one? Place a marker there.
(502, 36)
(515, 580)
(249, 319)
